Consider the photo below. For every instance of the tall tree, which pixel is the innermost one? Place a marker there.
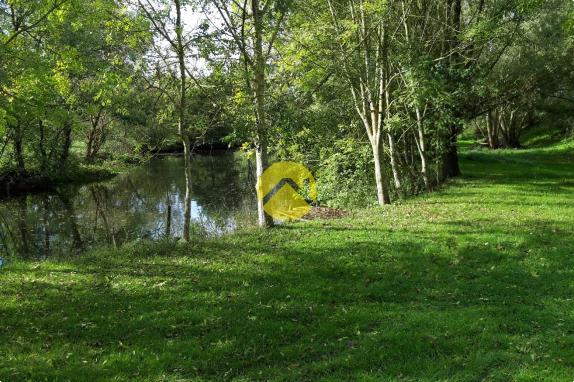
(362, 50)
(253, 28)
(171, 29)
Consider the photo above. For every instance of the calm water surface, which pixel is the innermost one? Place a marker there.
(145, 203)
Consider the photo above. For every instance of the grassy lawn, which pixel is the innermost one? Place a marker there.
(475, 282)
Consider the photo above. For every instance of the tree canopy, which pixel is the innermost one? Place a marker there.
(373, 95)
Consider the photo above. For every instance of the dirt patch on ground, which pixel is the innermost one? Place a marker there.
(325, 213)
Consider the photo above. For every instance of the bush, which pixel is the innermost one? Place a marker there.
(345, 176)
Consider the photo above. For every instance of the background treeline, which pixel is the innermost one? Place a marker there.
(373, 95)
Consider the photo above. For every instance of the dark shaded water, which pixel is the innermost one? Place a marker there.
(145, 203)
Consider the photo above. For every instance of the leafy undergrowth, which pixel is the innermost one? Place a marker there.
(13, 183)
(544, 136)
(472, 283)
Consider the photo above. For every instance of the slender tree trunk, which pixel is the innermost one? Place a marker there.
(386, 101)
(182, 122)
(42, 148)
(89, 156)
(178, 46)
(67, 144)
(5, 142)
(422, 149)
(382, 191)
(450, 166)
(92, 136)
(511, 135)
(168, 218)
(394, 164)
(263, 219)
(188, 189)
(490, 131)
(19, 149)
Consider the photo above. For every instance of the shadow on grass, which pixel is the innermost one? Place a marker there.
(373, 308)
(517, 166)
(466, 296)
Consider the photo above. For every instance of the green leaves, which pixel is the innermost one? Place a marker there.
(67, 59)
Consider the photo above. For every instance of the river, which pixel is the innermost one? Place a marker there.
(146, 202)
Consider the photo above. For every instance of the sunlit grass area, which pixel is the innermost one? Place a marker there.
(474, 282)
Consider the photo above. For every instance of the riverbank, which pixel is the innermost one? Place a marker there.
(13, 183)
(471, 283)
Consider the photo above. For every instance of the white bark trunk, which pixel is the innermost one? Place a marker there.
(422, 149)
(382, 194)
(182, 121)
(188, 190)
(263, 219)
(394, 165)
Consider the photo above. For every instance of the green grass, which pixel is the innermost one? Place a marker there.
(543, 136)
(472, 283)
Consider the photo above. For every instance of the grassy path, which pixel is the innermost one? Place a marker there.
(475, 282)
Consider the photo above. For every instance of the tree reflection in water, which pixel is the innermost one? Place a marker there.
(146, 203)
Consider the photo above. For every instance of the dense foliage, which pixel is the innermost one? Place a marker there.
(372, 95)
(472, 283)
